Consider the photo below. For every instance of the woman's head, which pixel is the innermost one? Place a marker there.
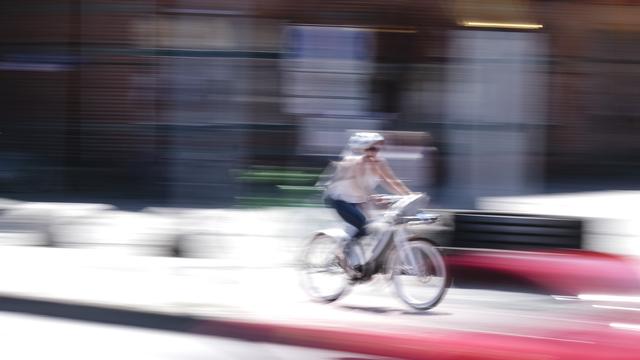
(373, 150)
(367, 142)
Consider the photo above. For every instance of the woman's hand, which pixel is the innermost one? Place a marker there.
(380, 201)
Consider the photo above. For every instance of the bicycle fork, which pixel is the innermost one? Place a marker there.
(416, 263)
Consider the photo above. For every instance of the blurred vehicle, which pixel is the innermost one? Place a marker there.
(536, 253)
(556, 272)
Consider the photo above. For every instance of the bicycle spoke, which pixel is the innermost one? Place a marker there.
(419, 274)
(324, 278)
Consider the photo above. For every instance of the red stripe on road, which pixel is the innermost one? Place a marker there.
(431, 345)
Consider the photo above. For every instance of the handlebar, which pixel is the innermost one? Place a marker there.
(397, 203)
(397, 200)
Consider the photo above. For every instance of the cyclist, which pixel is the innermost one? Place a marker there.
(355, 178)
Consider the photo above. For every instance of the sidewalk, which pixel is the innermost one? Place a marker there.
(193, 233)
(276, 235)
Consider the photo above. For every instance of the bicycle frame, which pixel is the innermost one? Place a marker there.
(395, 236)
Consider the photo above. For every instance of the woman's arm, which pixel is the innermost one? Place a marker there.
(390, 179)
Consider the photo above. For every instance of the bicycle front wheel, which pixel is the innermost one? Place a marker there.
(419, 275)
(323, 277)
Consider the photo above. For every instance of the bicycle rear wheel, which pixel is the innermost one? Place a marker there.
(323, 277)
(419, 275)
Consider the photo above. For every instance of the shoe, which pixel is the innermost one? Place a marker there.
(356, 273)
(358, 268)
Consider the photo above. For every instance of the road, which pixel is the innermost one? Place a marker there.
(39, 337)
(214, 292)
(205, 288)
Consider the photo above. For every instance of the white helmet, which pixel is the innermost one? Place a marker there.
(362, 140)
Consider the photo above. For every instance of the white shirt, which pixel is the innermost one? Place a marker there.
(351, 186)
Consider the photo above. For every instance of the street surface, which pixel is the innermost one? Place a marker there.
(201, 288)
(235, 280)
(38, 337)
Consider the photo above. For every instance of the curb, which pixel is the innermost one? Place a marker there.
(431, 344)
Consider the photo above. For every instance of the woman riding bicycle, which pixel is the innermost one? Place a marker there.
(332, 262)
(356, 177)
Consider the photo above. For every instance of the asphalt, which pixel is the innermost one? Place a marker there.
(266, 304)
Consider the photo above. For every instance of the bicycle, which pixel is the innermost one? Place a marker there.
(329, 270)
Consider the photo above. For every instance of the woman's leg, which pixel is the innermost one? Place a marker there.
(352, 215)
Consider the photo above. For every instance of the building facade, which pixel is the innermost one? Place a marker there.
(166, 99)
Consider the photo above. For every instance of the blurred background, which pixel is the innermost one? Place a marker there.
(190, 133)
(223, 103)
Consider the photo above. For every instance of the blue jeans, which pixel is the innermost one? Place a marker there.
(350, 213)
